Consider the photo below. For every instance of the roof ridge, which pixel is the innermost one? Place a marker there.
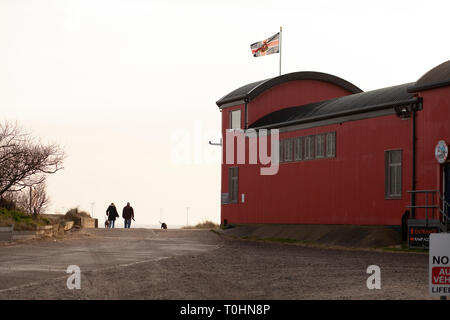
(252, 90)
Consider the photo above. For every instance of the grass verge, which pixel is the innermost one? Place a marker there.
(403, 248)
(399, 249)
(21, 221)
(278, 240)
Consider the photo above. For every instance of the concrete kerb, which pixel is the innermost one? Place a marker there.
(324, 236)
(6, 233)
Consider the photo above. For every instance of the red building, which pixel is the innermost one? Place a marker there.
(346, 156)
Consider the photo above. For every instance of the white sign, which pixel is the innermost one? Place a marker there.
(441, 151)
(439, 267)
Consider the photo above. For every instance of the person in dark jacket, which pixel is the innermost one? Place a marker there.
(405, 218)
(127, 215)
(112, 214)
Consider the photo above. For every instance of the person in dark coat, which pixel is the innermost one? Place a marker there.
(127, 215)
(112, 214)
(405, 218)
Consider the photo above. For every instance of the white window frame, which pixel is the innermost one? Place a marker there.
(234, 112)
(330, 142)
(287, 149)
(319, 146)
(281, 151)
(309, 147)
(233, 174)
(393, 171)
(298, 148)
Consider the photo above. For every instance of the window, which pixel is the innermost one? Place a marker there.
(287, 149)
(233, 184)
(298, 148)
(393, 174)
(309, 147)
(235, 119)
(281, 146)
(320, 146)
(317, 146)
(331, 145)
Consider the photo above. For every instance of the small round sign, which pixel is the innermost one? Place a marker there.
(441, 151)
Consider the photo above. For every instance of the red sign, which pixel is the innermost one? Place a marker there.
(440, 275)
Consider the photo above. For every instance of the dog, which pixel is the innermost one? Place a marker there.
(106, 223)
(163, 225)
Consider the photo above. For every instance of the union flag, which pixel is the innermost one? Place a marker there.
(267, 46)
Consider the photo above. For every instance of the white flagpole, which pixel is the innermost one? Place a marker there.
(280, 47)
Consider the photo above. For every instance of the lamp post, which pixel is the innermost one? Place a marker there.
(187, 216)
(92, 209)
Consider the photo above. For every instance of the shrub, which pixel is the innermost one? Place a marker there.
(7, 204)
(204, 225)
(75, 213)
(207, 225)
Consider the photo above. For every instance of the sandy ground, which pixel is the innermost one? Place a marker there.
(199, 264)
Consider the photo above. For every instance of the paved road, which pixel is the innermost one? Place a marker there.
(198, 264)
(31, 264)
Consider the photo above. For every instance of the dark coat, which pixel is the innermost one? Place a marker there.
(128, 213)
(112, 214)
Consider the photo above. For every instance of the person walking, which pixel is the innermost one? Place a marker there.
(127, 215)
(112, 214)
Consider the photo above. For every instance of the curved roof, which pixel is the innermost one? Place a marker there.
(251, 90)
(346, 105)
(435, 78)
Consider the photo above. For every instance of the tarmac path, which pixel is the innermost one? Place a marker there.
(199, 264)
(40, 262)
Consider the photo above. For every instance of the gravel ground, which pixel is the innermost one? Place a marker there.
(192, 264)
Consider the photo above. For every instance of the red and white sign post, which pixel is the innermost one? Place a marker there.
(439, 267)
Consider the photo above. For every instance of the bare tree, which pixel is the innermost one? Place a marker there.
(24, 161)
(40, 198)
(33, 200)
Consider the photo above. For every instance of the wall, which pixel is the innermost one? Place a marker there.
(433, 124)
(290, 94)
(348, 189)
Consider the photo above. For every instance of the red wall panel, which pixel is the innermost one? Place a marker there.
(433, 124)
(290, 94)
(347, 189)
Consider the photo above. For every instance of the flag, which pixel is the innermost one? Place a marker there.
(265, 47)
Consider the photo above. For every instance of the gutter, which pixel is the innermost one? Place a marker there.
(339, 114)
(414, 109)
(245, 114)
(413, 173)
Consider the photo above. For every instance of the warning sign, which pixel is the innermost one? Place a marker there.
(440, 275)
(419, 237)
(439, 269)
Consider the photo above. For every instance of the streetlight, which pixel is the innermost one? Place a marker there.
(92, 209)
(187, 216)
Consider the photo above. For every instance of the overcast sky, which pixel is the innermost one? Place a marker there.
(120, 84)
